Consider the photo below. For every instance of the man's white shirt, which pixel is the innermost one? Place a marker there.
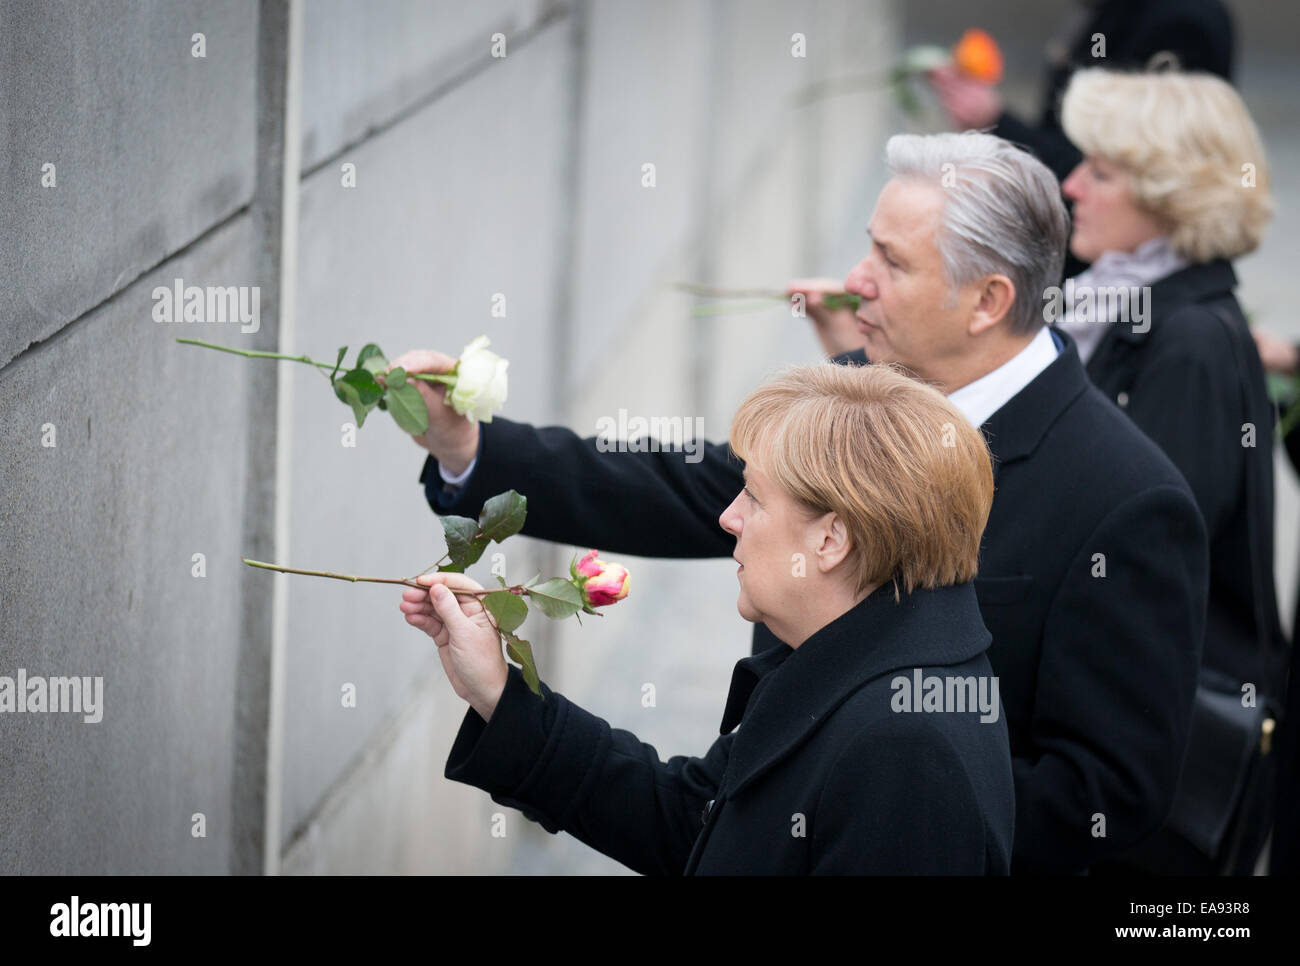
(986, 395)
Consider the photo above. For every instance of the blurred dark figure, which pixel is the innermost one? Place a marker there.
(1283, 357)
(1190, 35)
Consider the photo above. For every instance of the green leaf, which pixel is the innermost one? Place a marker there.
(521, 652)
(395, 377)
(500, 580)
(464, 543)
(503, 515)
(371, 358)
(349, 394)
(506, 609)
(364, 381)
(408, 409)
(840, 300)
(557, 598)
(343, 350)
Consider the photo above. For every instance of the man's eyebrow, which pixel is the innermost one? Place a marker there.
(884, 245)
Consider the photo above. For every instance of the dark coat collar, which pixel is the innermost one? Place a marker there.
(1199, 282)
(803, 686)
(1015, 430)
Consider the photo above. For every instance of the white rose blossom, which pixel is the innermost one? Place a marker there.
(480, 387)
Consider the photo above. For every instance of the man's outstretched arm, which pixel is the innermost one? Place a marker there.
(661, 504)
(586, 492)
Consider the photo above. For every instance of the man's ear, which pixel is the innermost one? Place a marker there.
(835, 543)
(996, 295)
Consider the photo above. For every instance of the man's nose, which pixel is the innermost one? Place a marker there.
(859, 282)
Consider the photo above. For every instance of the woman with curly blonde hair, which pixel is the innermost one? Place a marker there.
(1173, 186)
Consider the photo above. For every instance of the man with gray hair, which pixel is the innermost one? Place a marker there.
(1094, 571)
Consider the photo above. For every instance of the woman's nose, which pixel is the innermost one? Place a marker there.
(1070, 187)
(729, 520)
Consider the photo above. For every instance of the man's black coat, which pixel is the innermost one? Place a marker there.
(1093, 582)
(828, 772)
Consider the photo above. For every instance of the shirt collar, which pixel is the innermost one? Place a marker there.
(986, 395)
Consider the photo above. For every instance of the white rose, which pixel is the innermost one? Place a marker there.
(480, 388)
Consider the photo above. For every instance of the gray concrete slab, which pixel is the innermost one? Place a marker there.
(150, 146)
(99, 532)
(453, 205)
(366, 63)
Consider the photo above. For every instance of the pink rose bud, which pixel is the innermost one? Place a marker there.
(604, 583)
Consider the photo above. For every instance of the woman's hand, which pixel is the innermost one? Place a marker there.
(468, 645)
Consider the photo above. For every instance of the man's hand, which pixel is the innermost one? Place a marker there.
(972, 104)
(836, 328)
(451, 438)
(468, 645)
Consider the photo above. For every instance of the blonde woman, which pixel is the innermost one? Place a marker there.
(1173, 186)
(848, 760)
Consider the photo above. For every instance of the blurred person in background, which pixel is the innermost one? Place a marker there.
(1190, 35)
(1282, 356)
(1173, 185)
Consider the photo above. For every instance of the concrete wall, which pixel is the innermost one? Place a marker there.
(124, 454)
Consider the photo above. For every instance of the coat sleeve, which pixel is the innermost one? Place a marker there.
(1187, 400)
(897, 802)
(1116, 681)
(568, 770)
(650, 504)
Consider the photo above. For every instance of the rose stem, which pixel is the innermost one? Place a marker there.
(372, 580)
(254, 354)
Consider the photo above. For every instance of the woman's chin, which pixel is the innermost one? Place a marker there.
(1083, 251)
(746, 610)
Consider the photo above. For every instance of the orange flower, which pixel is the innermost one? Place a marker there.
(978, 57)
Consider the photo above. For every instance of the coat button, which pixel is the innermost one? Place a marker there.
(704, 815)
(1122, 399)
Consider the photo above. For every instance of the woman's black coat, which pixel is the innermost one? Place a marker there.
(822, 776)
(1193, 383)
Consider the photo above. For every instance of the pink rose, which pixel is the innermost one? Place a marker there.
(602, 583)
